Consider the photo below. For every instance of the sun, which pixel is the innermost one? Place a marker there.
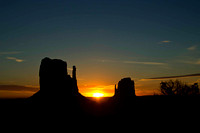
(97, 94)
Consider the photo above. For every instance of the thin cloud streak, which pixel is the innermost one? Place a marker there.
(167, 77)
(145, 63)
(134, 62)
(12, 52)
(164, 42)
(18, 88)
(111, 61)
(15, 59)
(197, 62)
(192, 48)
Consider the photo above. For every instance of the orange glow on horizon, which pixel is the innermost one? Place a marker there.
(97, 95)
(141, 89)
(97, 90)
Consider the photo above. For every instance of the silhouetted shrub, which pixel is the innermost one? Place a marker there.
(178, 88)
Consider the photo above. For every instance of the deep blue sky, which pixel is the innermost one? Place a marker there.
(106, 39)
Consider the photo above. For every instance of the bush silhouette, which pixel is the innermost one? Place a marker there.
(178, 88)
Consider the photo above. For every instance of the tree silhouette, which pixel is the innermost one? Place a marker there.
(178, 88)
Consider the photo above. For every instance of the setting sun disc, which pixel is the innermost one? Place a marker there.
(97, 94)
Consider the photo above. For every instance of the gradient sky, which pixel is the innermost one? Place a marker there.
(107, 40)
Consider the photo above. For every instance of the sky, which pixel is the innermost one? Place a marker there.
(107, 40)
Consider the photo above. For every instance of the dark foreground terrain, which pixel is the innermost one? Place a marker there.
(85, 108)
(142, 112)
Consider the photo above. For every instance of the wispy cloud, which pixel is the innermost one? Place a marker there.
(192, 48)
(15, 59)
(134, 62)
(17, 91)
(19, 88)
(197, 62)
(11, 52)
(164, 42)
(111, 61)
(167, 77)
(144, 63)
(193, 62)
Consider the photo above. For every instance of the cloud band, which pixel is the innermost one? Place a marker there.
(179, 76)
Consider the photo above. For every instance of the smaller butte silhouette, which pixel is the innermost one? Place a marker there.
(125, 89)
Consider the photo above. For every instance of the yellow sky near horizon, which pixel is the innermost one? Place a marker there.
(142, 87)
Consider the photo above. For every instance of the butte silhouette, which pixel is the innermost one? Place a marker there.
(56, 85)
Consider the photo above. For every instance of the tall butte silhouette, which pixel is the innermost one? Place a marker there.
(56, 85)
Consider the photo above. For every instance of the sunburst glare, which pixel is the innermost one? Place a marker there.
(97, 94)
